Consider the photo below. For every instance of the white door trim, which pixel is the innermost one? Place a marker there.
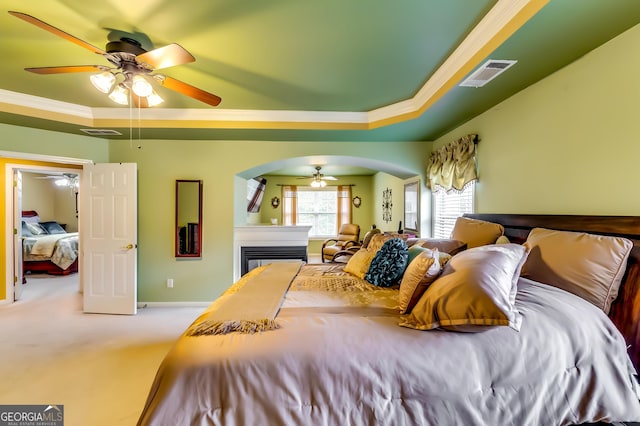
(11, 214)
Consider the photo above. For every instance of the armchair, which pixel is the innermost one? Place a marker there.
(348, 237)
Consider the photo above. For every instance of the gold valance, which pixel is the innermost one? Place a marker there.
(454, 165)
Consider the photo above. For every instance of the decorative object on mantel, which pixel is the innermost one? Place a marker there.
(453, 166)
(275, 202)
(386, 205)
(357, 201)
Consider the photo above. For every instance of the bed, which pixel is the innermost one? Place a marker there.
(337, 350)
(47, 247)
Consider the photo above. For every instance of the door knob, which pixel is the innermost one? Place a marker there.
(128, 247)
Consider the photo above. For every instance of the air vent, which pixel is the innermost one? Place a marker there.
(487, 72)
(101, 132)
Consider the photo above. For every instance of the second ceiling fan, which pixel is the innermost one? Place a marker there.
(318, 179)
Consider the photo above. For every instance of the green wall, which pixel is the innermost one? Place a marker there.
(567, 145)
(362, 187)
(219, 164)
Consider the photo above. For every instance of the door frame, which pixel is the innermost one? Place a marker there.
(11, 213)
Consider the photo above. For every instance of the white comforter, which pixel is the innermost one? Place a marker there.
(340, 358)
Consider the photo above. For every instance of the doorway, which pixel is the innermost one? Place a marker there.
(13, 216)
(49, 231)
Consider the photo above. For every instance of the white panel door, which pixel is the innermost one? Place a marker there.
(108, 237)
(17, 235)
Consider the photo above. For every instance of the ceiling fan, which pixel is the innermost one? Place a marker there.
(131, 64)
(318, 179)
(70, 180)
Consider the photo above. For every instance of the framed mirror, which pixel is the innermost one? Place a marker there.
(412, 206)
(188, 232)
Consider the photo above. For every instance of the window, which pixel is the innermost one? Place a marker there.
(325, 209)
(318, 208)
(449, 206)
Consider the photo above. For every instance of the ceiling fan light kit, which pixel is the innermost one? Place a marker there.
(133, 65)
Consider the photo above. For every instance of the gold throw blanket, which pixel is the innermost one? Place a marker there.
(253, 307)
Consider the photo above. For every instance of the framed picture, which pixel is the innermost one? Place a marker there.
(412, 206)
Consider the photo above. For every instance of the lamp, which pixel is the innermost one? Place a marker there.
(318, 183)
(106, 82)
(120, 95)
(103, 82)
(141, 86)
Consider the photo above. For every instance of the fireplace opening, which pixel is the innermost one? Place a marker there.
(251, 257)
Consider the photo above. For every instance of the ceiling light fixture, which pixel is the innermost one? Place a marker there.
(107, 82)
(318, 183)
(103, 82)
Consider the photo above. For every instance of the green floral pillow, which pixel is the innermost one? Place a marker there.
(389, 263)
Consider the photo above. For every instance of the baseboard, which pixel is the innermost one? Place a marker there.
(142, 305)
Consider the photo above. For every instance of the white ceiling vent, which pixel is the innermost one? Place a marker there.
(487, 72)
(101, 132)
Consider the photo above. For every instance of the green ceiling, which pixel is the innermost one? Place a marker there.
(336, 56)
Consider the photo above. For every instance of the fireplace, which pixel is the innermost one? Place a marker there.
(252, 257)
(255, 245)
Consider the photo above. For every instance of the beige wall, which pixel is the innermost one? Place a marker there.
(50, 201)
(567, 145)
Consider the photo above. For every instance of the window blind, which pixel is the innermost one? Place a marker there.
(449, 206)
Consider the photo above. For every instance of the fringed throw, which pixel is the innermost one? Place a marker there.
(253, 308)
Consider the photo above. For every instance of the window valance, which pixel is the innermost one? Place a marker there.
(454, 165)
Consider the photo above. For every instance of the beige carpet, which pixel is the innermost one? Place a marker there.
(100, 367)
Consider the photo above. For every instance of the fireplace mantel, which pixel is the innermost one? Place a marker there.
(267, 236)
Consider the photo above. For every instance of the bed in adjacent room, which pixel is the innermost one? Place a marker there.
(47, 247)
(542, 328)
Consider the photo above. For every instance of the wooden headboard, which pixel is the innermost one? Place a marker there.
(625, 311)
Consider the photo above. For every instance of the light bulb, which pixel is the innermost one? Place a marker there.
(154, 99)
(141, 86)
(120, 95)
(103, 81)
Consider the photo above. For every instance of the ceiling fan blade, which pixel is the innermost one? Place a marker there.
(191, 91)
(41, 24)
(329, 178)
(165, 57)
(65, 69)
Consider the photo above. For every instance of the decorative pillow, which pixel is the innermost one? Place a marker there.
(25, 230)
(389, 263)
(420, 273)
(378, 240)
(476, 232)
(452, 247)
(36, 228)
(414, 251)
(358, 264)
(53, 227)
(502, 240)
(473, 293)
(587, 265)
(368, 236)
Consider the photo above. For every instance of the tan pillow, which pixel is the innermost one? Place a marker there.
(473, 292)
(368, 236)
(587, 265)
(421, 272)
(378, 240)
(476, 232)
(358, 264)
(444, 245)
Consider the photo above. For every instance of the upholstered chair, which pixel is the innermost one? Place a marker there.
(348, 236)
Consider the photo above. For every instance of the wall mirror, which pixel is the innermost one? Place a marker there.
(188, 218)
(411, 206)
